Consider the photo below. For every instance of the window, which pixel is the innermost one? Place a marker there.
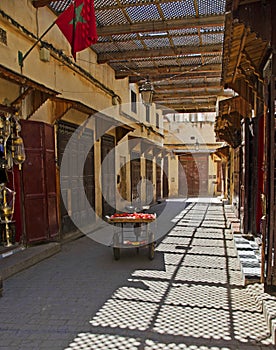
(3, 36)
(133, 102)
(148, 113)
(157, 120)
(122, 185)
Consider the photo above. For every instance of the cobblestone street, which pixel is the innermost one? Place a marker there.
(189, 297)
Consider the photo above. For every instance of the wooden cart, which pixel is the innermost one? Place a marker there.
(133, 232)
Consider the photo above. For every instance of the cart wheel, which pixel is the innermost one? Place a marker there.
(151, 246)
(116, 253)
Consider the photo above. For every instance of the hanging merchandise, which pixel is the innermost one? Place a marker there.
(17, 145)
(11, 152)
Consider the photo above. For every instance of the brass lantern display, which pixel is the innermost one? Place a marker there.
(7, 211)
(17, 146)
(11, 152)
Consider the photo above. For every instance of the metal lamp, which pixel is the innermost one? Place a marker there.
(11, 152)
(147, 91)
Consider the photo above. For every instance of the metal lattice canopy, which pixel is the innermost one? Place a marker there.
(176, 43)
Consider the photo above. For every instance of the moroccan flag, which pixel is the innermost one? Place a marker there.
(78, 24)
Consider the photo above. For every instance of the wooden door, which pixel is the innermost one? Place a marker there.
(135, 168)
(108, 175)
(194, 180)
(165, 178)
(149, 183)
(238, 193)
(50, 179)
(39, 182)
(65, 131)
(158, 179)
(122, 180)
(73, 204)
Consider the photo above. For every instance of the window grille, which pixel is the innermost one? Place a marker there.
(157, 120)
(133, 102)
(3, 36)
(148, 114)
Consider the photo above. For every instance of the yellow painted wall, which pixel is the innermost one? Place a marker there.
(173, 176)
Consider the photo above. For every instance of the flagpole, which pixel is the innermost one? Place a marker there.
(22, 57)
(74, 32)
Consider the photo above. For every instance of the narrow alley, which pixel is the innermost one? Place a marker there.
(137, 175)
(189, 297)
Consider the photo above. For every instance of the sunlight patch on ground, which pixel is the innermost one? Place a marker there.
(195, 303)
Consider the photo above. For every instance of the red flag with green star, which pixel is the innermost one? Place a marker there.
(78, 24)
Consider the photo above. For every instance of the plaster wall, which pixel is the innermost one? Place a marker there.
(212, 176)
(173, 176)
(188, 132)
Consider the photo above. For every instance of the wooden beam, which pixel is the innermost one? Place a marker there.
(21, 80)
(161, 26)
(161, 35)
(202, 100)
(185, 94)
(246, 57)
(160, 78)
(137, 74)
(239, 56)
(78, 106)
(235, 5)
(247, 2)
(153, 53)
(7, 109)
(188, 108)
(22, 96)
(188, 102)
(183, 85)
(41, 3)
(114, 5)
(188, 98)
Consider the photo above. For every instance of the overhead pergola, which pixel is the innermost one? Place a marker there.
(177, 45)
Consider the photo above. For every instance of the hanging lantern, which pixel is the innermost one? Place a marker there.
(6, 132)
(18, 151)
(11, 152)
(147, 91)
(7, 211)
(3, 161)
(17, 147)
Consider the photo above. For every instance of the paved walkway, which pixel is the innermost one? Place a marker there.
(189, 297)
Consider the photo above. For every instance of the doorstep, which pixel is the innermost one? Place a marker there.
(249, 258)
(267, 304)
(18, 258)
(24, 258)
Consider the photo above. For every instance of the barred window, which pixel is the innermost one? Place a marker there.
(133, 102)
(157, 120)
(3, 36)
(148, 114)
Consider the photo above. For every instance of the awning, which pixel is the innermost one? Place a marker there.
(19, 88)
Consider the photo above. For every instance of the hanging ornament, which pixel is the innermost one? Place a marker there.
(17, 145)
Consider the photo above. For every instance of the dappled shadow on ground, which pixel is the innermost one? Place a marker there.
(195, 302)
